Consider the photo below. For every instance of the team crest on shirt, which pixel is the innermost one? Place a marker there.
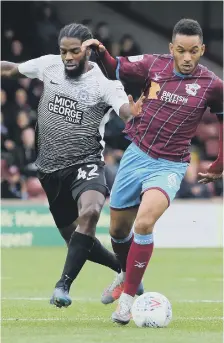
(83, 95)
(192, 88)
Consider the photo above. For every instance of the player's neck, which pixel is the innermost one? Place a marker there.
(177, 72)
(87, 67)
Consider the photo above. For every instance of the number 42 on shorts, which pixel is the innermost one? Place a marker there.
(88, 175)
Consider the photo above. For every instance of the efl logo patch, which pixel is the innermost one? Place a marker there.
(66, 107)
(172, 180)
(192, 88)
(135, 58)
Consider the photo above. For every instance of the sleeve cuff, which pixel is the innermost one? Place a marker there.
(118, 68)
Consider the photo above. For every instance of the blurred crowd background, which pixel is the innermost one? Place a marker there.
(34, 34)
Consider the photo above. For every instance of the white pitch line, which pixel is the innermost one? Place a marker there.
(191, 279)
(199, 318)
(101, 319)
(200, 301)
(81, 299)
(85, 300)
(52, 319)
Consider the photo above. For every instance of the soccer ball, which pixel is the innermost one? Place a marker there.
(152, 310)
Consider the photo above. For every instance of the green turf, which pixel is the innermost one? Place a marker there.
(182, 275)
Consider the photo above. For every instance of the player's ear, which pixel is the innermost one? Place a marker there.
(88, 52)
(202, 49)
(171, 48)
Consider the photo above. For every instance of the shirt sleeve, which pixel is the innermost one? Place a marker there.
(34, 69)
(114, 95)
(134, 68)
(216, 99)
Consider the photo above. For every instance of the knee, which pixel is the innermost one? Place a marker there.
(119, 231)
(89, 216)
(144, 225)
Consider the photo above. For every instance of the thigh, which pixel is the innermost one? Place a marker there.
(64, 210)
(165, 176)
(61, 203)
(73, 182)
(127, 186)
(88, 177)
(121, 222)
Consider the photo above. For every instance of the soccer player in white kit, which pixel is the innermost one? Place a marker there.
(72, 114)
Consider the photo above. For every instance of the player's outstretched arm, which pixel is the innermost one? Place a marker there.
(133, 109)
(10, 70)
(215, 170)
(115, 96)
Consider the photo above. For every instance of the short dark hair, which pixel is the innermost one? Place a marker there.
(74, 30)
(188, 27)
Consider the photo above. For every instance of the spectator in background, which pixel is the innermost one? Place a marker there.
(89, 24)
(15, 182)
(116, 48)
(8, 36)
(8, 112)
(128, 46)
(28, 153)
(21, 101)
(4, 137)
(4, 130)
(47, 29)
(10, 152)
(22, 122)
(33, 88)
(5, 108)
(102, 33)
(17, 53)
(207, 138)
(24, 83)
(10, 182)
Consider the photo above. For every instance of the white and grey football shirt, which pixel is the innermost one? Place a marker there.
(72, 113)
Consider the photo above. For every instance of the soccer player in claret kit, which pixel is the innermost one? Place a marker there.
(72, 114)
(178, 90)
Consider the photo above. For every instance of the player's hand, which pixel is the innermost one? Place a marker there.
(209, 177)
(92, 43)
(136, 107)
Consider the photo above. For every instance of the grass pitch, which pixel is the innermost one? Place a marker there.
(190, 278)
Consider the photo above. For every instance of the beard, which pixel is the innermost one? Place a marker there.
(78, 71)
